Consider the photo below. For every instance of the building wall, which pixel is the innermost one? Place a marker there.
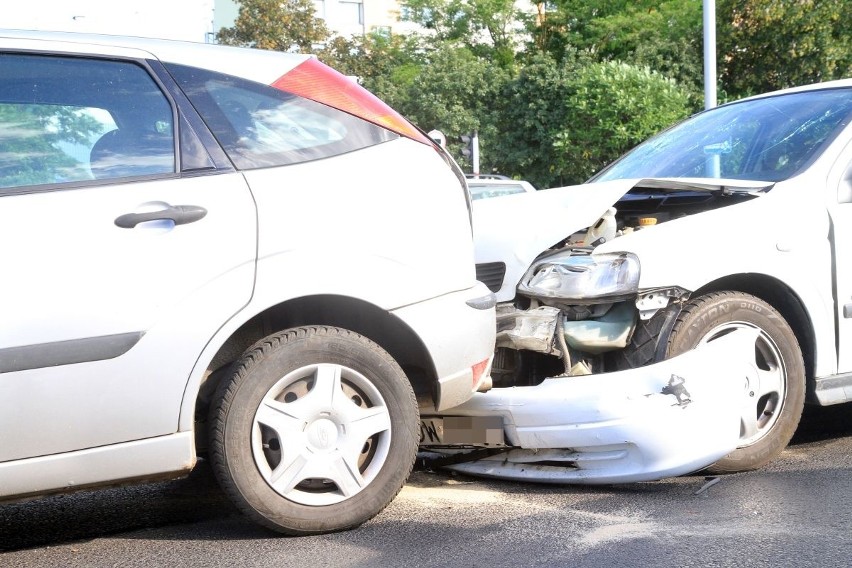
(224, 14)
(188, 20)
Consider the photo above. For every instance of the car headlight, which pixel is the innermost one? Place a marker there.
(582, 278)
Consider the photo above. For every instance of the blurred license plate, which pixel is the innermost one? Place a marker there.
(461, 431)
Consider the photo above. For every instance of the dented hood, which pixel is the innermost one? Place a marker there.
(516, 229)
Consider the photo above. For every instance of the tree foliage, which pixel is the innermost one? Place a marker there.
(384, 65)
(489, 28)
(666, 36)
(456, 92)
(612, 107)
(563, 122)
(281, 25)
(582, 82)
(534, 111)
(766, 45)
(31, 145)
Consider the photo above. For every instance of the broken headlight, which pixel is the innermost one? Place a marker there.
(582, 278)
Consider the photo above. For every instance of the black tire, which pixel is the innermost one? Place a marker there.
(771, 411)
(315, 431)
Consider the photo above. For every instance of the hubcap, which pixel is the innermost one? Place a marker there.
(765, 385)
(321, 434)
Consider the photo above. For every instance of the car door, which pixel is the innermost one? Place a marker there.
(118, 265)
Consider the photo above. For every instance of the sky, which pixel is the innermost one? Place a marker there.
(189, 20)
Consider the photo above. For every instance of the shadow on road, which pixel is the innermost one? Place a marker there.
(194, 508)
(821, 423)
(90, 514)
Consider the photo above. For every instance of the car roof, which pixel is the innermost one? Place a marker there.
(498, 182)
(837, 84)
(255, 64)
(486, 176)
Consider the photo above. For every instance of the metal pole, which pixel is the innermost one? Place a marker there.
(713, 166)
(474, 143)
(709, 53)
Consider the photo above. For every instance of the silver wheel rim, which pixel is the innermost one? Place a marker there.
(765, 391)
(321, 434)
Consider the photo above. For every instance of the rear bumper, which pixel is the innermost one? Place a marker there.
(666, 419)
(458, 331)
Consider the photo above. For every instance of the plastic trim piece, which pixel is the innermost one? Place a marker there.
(834, 389)
(57, 353)
(149, 459)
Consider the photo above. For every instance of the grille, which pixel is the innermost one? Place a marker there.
(491, 274)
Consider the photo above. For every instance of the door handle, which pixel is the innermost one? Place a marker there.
(179, 214)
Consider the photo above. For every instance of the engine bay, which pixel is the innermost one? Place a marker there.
(573, 314)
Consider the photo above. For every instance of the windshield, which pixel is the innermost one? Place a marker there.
(768, 139)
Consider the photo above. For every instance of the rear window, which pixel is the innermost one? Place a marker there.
(261, 126)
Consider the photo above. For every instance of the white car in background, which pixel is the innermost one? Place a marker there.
(487, 186)
(208, 250)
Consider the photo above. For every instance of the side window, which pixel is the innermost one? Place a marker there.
(261, 126)
(66, 119)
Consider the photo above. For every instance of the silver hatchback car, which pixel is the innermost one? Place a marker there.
(207, 251)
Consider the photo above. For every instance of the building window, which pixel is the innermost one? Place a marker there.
(319, 8)
(381, 31)
(352, 12)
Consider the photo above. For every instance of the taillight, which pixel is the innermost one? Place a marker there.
(480, 371)
(318, 82)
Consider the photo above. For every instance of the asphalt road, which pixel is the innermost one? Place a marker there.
(795, 512)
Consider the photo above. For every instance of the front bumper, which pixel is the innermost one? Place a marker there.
(666, 419)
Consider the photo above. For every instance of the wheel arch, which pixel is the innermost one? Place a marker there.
(377, 324)
(781, 297)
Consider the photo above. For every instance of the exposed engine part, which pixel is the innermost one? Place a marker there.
(648, 343)
(584, 312)
(564, 320)
(545, 329)
(607, 333)
(532, 329)
(523, 368)
(651, 301)
(563, 345)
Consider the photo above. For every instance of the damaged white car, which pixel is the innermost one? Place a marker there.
(673, 312)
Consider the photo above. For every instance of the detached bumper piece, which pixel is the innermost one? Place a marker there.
(666, 419)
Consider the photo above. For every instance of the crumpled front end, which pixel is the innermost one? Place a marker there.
(643, 424)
